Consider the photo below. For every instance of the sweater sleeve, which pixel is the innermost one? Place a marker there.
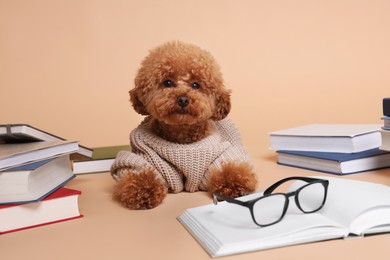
(236, 151)
(125, 162)
(145, 155)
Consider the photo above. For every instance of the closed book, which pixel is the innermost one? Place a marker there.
(108, 152)
(92, 166)
(352, 209)
(338, 138)
(24, 133)
(386, 122)
(34, 181)
(336, 163)
(386, 106)
(385, 134)
(102, 159)
(12, 155)
(60, 206)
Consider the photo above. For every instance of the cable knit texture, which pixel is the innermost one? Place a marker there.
(181, 166)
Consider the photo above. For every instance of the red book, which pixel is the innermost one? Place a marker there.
(59, 206)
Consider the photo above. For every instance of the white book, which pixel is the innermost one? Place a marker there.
(338, 138)
(23, 133)
(92, 166)
(12, 155)
(34, 181)
(61, 205)
(353, 208)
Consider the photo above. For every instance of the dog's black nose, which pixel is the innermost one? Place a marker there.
(183, 101)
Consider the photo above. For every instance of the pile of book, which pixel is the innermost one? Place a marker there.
(385, 131)
(33, 173)
(331, 148)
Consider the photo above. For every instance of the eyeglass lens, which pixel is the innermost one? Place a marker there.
(269, 210)
(311, 197)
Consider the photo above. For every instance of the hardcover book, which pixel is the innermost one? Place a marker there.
(24, 133)
(352, 209)
(102, 159)
(386, 122)
(385, 134)
(34, 181)
(338, 138)
(92, 166)
(336, 163)
(60, 206)
(12, 155)
(108, 152)
(386, 107)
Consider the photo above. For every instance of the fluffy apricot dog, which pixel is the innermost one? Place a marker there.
(185, 142)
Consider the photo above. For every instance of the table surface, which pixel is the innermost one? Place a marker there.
(109, 231)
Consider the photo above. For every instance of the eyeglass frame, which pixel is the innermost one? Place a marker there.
(268, 192)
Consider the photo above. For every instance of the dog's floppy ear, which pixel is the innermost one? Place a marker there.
(137, 104)
(136, 94)
(222, 105)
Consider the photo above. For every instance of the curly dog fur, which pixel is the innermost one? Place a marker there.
(181, 88)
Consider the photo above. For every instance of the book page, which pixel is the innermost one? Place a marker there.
(376, 220)
(357, 205)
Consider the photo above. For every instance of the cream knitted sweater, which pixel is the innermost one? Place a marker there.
(181, 166)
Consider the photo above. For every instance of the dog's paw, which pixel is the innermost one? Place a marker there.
(140, 190)
(233, 180)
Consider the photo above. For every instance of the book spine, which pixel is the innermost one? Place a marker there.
(386, 106)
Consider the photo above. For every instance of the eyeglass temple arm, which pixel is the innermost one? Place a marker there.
(226, 198)
(270, 189)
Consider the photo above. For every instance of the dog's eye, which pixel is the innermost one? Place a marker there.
(168, 83)
(195, 85)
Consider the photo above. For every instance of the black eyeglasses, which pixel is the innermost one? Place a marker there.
(271, 207)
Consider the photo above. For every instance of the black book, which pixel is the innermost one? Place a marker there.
(386, 106)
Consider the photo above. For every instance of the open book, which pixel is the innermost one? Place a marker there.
(352, 208)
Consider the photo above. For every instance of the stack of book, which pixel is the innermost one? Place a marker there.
(85, 160)
(331, 148)
(32, 178)
(385, 131)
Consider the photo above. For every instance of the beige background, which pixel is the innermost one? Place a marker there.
(66, 67)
